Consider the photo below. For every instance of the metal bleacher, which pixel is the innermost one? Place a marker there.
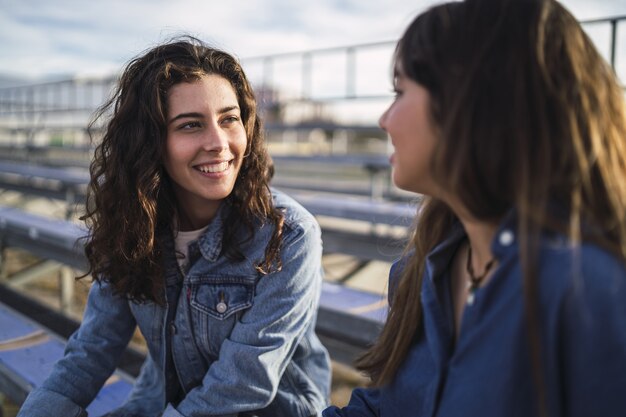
(27, 353)
(348, 320)
(70, 186)
(44, 152)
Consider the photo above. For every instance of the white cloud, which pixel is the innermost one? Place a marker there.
(39, 35)
(42, 37)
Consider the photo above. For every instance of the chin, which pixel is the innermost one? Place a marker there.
(401, 183)
(219, 195)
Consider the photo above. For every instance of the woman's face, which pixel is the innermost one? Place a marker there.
(205, 145)
(408, 124)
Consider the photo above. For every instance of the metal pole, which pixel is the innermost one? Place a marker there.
(307, 80)
(66, 294)
(267, 71)
(73, 96)
(350, 72)
(613, 41)
(29, 97)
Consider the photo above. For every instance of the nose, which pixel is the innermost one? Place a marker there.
(214, 140)
(382, 120)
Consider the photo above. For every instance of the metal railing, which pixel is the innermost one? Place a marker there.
(283, 82)
(613, 23)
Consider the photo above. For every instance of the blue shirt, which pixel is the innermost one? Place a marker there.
(488, 371)
(239, 341)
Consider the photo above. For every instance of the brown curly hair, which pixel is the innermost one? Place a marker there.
(130, 201)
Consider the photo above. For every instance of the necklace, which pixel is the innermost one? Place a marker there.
(475, 280)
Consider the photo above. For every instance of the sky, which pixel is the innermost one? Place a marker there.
(61, 38)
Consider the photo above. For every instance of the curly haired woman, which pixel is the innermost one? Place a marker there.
(221, 274)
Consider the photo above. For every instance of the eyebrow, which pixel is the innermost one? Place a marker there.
(195, 115)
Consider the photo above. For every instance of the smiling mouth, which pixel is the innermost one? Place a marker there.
(213, 168)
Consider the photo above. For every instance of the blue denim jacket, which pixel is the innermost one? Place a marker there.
(488, 372)
(242, 343)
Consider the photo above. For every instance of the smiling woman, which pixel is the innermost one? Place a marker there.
(205, 146)
(221, 274)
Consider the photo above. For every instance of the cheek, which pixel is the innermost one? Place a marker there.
(179, 150)
(240, 145)
(243, 139)
(176, 159)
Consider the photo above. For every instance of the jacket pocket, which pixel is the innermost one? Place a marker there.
(221, 296)
(216, 304)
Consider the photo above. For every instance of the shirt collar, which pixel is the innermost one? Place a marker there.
(505, 240)
(439, 258)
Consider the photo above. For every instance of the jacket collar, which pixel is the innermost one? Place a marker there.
(210, 243)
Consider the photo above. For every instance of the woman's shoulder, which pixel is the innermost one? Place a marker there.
(582, 290)
(588, 258)
(296, 216)
(395, 273)
(584, 272)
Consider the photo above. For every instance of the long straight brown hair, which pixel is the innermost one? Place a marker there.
(527, 113)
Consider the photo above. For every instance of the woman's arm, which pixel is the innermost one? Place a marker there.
(148, 394)
(363, 403)
(593, 351)
(90, 358)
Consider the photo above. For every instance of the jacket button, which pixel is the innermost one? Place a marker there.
(221, 307)
(172, 328)
(506, 237)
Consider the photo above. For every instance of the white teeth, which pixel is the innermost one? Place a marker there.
(223, 166)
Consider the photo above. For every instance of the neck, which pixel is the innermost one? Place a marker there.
(188, 220)
(479, 233)
(480, 236)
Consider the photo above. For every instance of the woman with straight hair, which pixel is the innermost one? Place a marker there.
(511, 298)
(187, 241)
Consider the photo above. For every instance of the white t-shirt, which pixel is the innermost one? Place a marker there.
(182, 241)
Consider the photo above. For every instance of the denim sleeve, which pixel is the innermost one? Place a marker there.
(45, 403)
(147, 396)
(594, 343)
(91, 355)
(364, 402)
(253, 358)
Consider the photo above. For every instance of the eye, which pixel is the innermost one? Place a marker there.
(396, 92)
(231, 118)
(190, 125)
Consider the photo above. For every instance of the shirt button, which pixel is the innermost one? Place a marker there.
(506, 237)
(221, 307)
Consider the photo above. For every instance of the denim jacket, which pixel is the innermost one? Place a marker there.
(487, 371)
(242, 343)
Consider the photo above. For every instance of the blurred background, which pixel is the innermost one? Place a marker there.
(321, 72)
(322, 62)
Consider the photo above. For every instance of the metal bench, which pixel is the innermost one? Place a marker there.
(28, 352)
(69, 185)
(367, 174)
(349, 320)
